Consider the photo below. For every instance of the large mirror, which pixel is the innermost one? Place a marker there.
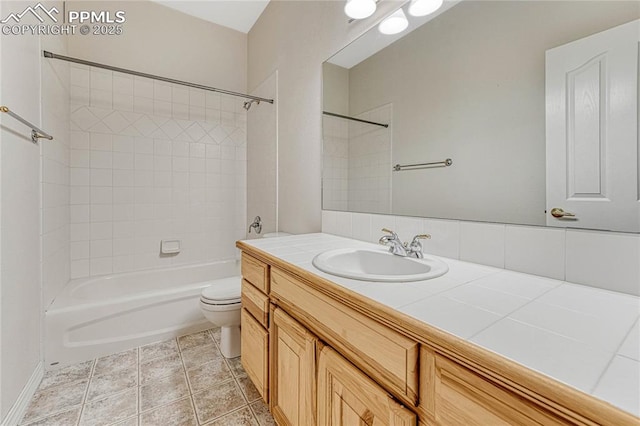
(533, 102)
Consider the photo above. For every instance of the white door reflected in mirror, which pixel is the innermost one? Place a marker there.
(592, 131)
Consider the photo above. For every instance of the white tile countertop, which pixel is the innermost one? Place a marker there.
(585, 337)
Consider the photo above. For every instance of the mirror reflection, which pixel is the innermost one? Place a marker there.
(534, 103)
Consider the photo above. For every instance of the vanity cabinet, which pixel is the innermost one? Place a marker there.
(346, 396)
(254, 323)
(293, 371)
(323, 355)
(454, 395)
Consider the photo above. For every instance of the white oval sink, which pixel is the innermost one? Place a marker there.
(378, 265)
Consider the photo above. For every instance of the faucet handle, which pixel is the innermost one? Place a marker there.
(393, 234)
(420, 237)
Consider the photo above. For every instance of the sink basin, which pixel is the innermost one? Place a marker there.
(378, 265)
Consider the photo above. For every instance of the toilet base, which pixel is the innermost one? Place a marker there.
(230, 341)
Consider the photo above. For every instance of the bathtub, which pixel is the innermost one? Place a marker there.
(98, 316)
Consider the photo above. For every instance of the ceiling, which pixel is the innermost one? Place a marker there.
(239, 15)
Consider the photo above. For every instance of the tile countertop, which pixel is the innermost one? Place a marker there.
(585, 337)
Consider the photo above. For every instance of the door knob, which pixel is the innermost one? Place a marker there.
(559, 213)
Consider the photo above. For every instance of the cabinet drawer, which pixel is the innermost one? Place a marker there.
(256, 272)
(254, 346)
(256, 302)
(381, 352)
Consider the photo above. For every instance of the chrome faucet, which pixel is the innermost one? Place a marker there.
(393, 241)
(397, 247)
(415, 246)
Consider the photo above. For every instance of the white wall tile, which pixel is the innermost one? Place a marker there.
(101, 266)
(337, 223)
(408, 227)
(80, 250)
(604, 259)
(361, 226)
(482, 243)
(80, 268)
(445, 237)
(535, 250)
(378, 222)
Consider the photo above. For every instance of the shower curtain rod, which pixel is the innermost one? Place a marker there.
(346, 117)
(154, 77)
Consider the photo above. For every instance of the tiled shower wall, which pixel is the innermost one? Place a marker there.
(357, 162)
(152, 161)
(370, 162)
(335, 163)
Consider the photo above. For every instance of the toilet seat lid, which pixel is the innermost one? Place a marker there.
(226, 290)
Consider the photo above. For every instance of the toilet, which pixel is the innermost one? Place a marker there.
(220, 304)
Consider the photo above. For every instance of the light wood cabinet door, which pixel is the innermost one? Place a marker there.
(293, 371)
(347, 397)
(453, 395)
(254, 347)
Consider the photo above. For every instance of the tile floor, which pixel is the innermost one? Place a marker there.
(183, 381)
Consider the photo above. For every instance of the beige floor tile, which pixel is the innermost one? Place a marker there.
(236, 367)
(66, 375)
(262, 413)
(162, 391)
(120, 361)
(110, 410)
(131, 421)
(55, 399)
(207, 375)
(193, 340)
(158, 350)
(66, 418)
(215, 333)
(108, 384)
(218, 401)
(159, 368)
(248, 389)
(196, 356)
(241, 417)
(179, 413)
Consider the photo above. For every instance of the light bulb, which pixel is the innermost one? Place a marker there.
(424, 7)
(395, 23)
(359, 9)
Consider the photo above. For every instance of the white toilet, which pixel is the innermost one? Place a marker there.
(220, 304)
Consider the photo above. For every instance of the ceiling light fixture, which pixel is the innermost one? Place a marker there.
(359, 9)
(395, 23)
(424, 7)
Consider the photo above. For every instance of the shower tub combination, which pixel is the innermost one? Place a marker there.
(99, 316)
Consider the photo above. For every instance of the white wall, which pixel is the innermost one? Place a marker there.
(262, 158)
(295, 37)
(20, 294)
(158, 40)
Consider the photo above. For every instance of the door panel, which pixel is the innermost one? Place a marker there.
(592, 131)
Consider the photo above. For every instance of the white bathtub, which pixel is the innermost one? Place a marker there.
(98, 316)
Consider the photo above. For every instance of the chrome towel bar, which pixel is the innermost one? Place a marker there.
(36, 132)
(400, 167)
